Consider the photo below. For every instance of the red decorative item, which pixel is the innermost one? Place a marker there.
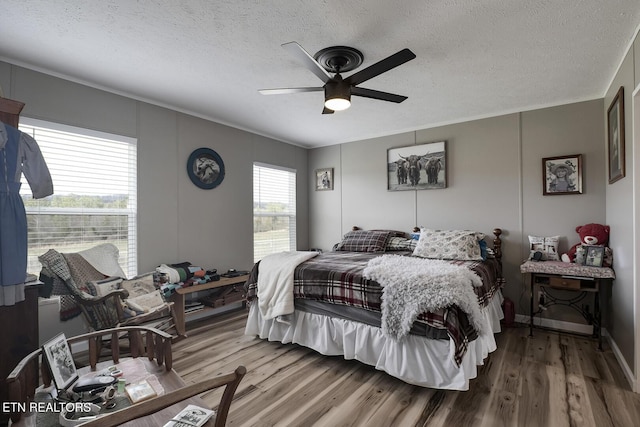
(509, 313)
(591, 235)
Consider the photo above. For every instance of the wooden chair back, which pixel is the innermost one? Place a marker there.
(153, 343)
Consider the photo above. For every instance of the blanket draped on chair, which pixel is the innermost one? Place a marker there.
(77, 269)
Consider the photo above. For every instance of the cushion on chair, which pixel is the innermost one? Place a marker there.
(103, 287)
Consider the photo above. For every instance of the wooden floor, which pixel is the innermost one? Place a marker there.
(549, 380)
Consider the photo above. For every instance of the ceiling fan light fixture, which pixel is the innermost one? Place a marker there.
(337, 104)
(337, 95)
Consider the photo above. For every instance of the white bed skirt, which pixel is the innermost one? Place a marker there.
(414, 359)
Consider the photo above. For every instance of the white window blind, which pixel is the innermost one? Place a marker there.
(274, 210)
(94, 200)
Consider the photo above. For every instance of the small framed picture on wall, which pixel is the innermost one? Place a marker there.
(324, 179)
(615, 130)
(562, 175)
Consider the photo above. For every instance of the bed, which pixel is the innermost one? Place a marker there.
(423, 310)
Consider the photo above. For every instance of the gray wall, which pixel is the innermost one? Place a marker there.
(177, 220)
(494, 180)
(620, 215)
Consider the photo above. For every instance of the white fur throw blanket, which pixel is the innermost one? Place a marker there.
(415, 285)
(275, 282)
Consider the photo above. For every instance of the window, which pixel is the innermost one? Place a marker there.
(274, 210)
(94, 200)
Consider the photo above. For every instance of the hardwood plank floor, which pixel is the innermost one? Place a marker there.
(550, 379)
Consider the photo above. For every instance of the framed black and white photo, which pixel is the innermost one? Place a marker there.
(615, 130)
(417, 167)
(205, 168)
(562, 175)
(324, 179)
(60, 361)
(594, 256)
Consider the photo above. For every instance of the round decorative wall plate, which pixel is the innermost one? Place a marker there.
(205, 168)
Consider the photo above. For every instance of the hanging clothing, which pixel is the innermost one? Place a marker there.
(19, 154)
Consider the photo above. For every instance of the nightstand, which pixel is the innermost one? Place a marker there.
(579, 279)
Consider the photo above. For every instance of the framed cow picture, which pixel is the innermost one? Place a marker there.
(205, 168)
(417, 167)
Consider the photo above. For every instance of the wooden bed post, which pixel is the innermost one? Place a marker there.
(497, 243)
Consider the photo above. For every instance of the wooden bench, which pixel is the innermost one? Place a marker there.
(151, 350)
(178, 298)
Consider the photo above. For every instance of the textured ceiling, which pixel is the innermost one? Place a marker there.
(209, 58)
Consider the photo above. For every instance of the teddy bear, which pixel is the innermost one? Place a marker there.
(591, 234)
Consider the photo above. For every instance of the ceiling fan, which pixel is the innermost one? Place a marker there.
(339, 59)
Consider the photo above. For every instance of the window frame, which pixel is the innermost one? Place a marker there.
(128, 261)
(291, 214)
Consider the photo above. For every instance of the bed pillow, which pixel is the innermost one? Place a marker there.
(364, 241)
(396, 243)
(548, 246)
(449, 244)
(394, 233)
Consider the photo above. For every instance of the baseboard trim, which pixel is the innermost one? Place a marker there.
(585, 329)
(626, 369)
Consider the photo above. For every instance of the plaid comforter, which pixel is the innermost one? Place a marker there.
(336, 278)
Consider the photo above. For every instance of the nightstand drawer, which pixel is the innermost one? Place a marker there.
(564, 283)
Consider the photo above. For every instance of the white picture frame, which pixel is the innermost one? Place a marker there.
(60, 360)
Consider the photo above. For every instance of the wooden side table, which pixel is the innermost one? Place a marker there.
(580, 279)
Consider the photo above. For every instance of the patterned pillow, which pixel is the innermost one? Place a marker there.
(139, 285)
(394, 233)
(396, 243)
(364, 241)
(547, 245)
(449, 244)
(102, 287)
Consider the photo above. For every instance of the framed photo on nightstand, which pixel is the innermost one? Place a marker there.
(594, 256)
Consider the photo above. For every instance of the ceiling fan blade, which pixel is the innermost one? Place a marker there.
(296, 50)
(376, 94)
(286, 90)
(380, 67)
(327, 111)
